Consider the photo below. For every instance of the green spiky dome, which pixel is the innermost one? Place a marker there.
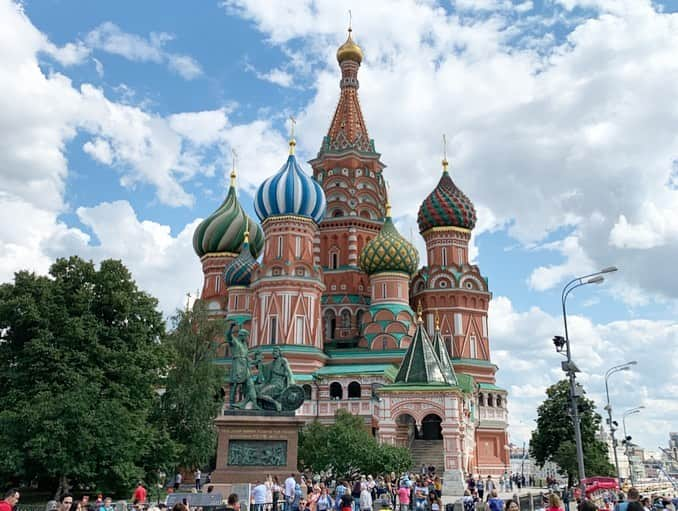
(224, 230)
(389, 251)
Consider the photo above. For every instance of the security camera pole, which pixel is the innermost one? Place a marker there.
(570, 367)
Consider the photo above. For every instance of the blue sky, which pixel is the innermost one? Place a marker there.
(121, 117)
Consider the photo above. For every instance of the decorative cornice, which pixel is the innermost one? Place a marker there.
(218, 254)
(298, 218)
(392, 274)
(444, 229)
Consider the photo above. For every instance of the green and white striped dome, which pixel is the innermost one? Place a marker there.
(224, 230)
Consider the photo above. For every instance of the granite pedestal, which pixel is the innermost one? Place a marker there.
(253, 444)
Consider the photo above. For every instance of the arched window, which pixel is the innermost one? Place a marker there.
(334, 259)
(353, 390)
(337, 212)
(359, 318)
(345, 319)
(307, 392)
(330, 324)
(481, 399)
(498, 401)
(490, 400)
(336, 392)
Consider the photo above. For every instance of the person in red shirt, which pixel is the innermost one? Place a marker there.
(11, 499)
(139, 496)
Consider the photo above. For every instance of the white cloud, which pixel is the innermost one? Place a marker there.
(186, 66)
(110, 38)
(278, 77)
(521, 346)
(41, 113)
(576, 263)
(200, 127)
(156, 259)
(99, 149)
(68, 55)
(656, 228)
(572, 134)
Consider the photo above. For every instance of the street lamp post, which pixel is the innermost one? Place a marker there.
(627, 439)
(608, 407)
(570, 368)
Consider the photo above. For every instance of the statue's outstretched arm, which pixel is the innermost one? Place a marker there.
(229, 333)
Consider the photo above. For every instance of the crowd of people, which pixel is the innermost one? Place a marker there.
(411, 492)
(407, 492)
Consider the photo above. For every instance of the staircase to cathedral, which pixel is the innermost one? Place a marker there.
(427, 452)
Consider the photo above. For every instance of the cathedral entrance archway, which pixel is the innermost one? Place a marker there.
(431, 428)
(406, 429)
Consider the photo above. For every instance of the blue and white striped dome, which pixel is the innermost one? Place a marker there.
(290, 192)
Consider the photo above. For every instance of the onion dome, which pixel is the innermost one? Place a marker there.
(290, 192)
(239, 271)
(389, 251)
(224, 230)
(349, 50)
(446, 206)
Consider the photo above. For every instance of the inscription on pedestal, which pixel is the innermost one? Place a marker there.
(263, 453)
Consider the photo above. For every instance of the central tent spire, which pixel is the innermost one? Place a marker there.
(348, 129)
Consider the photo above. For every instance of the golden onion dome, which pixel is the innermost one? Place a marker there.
(349, 51)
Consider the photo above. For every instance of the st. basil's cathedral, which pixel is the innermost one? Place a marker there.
(340, 291)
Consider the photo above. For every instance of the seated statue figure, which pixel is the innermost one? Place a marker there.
(273, 379)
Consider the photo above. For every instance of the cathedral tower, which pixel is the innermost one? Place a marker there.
(389, 260)
(449, 285)
(350, 172)
(288, 285)
(456, 290)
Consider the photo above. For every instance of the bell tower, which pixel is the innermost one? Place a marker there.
(350, 172)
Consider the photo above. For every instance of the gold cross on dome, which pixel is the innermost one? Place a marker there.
(293, 123)
(234, 157)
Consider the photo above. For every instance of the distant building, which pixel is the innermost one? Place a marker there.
(623, 460)
(522, 463)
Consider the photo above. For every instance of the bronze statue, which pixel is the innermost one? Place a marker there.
(277, 377)
(272, 388)
(240, 375)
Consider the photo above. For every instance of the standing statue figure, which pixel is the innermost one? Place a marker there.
(240, 375)
(277, 377)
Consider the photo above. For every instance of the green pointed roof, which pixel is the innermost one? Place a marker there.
(443, 356)
(420, 364)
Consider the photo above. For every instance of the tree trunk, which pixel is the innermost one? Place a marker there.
(64, 487)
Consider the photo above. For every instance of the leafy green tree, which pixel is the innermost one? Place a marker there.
(193, 394)
(346, 448)
(553, 440)
(80, 357)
